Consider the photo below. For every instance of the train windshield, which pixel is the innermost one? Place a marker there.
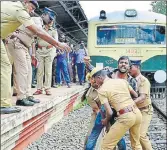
(130, 34)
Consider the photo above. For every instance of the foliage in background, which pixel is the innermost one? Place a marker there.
(159, 7)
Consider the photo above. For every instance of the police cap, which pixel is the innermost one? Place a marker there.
(35, 3)
(136, 62)
(50, 12)
(95, 71)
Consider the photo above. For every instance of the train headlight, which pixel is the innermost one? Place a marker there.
(160, 76)
(102, 15)
(130, 13)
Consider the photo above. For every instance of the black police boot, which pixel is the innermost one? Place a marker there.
(10, 110)
(32, 99)
(24, 102)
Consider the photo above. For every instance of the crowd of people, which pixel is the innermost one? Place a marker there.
(120, 100)
(31, 48)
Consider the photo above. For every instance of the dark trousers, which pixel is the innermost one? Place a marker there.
(34, 72)
(81, 72)
(74, 72)
(62, 66)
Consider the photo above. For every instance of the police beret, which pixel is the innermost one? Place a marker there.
(35, 3)
(135, 62)
(50, 12)
(94, 71)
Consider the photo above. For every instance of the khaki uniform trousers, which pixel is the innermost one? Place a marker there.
(129, 121)
(146, 119)
(6, 71)
(45, 59)
(15, 88)
(22, 64)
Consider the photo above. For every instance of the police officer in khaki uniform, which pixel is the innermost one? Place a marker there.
(45, 55)
(116, 93)
(13, 14)
(92, 99)
(18, 45)
(143, 103)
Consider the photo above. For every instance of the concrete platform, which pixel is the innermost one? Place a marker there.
(20, 129)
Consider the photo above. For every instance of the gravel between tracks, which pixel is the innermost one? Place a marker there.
(68, 134)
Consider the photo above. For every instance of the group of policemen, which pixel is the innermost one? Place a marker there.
(120, 100)
(18, 30)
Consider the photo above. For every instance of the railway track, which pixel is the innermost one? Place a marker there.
(157, 132)
(157, 129)
(70, 132)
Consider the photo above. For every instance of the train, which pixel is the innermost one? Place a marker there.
(141, 35)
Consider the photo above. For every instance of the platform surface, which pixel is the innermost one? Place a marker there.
(9, 121)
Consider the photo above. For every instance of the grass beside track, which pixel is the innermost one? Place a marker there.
(80, 105)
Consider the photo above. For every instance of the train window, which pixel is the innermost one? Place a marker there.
(130, 34)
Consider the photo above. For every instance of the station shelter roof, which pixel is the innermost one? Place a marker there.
(70, 19)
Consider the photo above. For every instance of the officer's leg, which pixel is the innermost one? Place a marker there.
(29, 77)
(121, 144)
(40, 71)
(14, 82)
(135, 131)
(6, 71)
(123, 122)
(48, 74)
(146, 119)
(65, 71)
(18, 52)
(40, 74)
(29, 81)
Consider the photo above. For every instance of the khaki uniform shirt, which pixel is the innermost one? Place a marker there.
(92, 97)
(116, 92)
(25, 35)
(13, 14)
(52, 32)
(144, 88)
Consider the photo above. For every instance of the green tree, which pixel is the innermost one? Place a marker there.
(159, 7)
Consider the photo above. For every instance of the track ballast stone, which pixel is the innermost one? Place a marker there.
(67, 134)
